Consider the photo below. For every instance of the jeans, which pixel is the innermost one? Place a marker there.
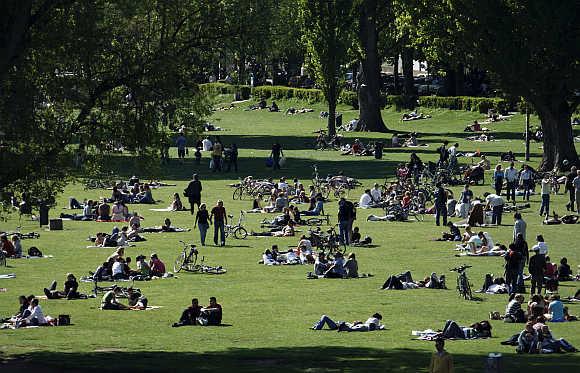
(453, 330)
(577, 201)
(545, 206)
(441, 211)
(511, 278)
(527, 185)
(511, 190)
(203, 227)
(325, 320)
(520, 279)
(343, 232)
(219, 226)
(217, 163)
(537, 281)
(496, 214)
(498, 185)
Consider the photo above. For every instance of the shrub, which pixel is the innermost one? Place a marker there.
(226, 89)
(479, 104)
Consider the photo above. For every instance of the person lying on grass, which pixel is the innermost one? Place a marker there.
(453, 235)
(273, 257)
(166, 227)
(371, 324)
(477, 330)
(190, 315)
(286, 231)
(70, 289)
(405, 281)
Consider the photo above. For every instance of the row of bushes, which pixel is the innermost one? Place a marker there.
(241, 91)
(479, 104)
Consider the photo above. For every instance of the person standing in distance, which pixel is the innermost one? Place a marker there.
(276, 154)
(193, 192)
(220, 219)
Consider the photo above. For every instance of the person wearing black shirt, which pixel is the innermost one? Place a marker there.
(276, 154)
(440, 205)
(70, 289)
(202, 219)
(193, 192)
(570, 188)
(345, 218)
(537, 267)
(189, 315)
(443, 153)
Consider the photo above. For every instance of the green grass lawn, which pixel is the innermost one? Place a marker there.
(268, 310)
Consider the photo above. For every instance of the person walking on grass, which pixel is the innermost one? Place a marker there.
(276, 154)
(511, 177)
(193, 192)
(440, 205)
(181, 143)
(220, 219)
(441, 360)
(519, 226)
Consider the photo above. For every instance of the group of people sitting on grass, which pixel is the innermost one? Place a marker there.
(202, 316)
(135, 300)
(117, 267)
(549, 308)
(10, 248)
(537, 338)
(29, 314)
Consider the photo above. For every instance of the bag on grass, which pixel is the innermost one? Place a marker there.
(33, 251)
(63, 320)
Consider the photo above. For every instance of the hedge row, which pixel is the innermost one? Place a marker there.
(226, 89)
(479, 104)
(286, 93)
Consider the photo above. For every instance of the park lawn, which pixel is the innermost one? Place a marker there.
(268, 310)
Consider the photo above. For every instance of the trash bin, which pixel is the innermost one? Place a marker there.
(55, 225)
(43, 214)
(493, 363)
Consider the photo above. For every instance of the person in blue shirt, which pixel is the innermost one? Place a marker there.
(556, 309)
(181, 143)
(336, 269)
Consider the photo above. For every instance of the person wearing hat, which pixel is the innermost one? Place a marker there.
(537, 267)
(220, 219)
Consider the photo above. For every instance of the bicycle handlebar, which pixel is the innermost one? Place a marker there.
(460, 268)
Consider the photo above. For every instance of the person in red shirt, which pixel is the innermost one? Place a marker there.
(7, 246)
(190, 315)
(407, 199)
(220, 218)
(157, 266)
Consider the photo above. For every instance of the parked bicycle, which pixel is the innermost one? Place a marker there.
(237, 230)
(463, 285)
(187, 261)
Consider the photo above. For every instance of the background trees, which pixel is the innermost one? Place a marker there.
(328, 36)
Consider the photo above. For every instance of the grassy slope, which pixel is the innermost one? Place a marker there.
(270, 309)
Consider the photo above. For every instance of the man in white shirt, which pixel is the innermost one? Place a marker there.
(511, 177)
(207, 144)
(546, 188)
(495, 203)
(376, 193)
(576, 185)
(283, 185)
(34, 316)
(541, 247)
(365, 200)
(118, 269)
(526, 179)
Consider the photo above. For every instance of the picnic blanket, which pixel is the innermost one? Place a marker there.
(108, 247)
(8, 275)
(488, 253)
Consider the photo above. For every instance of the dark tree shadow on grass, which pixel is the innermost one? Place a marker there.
(291, 359)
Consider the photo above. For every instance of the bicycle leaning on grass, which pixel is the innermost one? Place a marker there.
(187, 261)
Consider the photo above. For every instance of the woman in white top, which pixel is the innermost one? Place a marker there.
(118, 212)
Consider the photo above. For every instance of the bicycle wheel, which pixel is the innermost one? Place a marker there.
(314, 221)
(419, 216)
(240, 233)
(178, 265)
(215, 270)
(238, 192)
(468, 294)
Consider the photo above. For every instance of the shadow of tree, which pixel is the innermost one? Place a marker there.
(291, 359)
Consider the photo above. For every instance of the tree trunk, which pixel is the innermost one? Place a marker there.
(332, 97)
(555, 115)
(409, 97)
(460, 80)
(396, 73)
(369, 95)
(450, 86)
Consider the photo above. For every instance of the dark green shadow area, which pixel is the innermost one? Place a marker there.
(287, 359)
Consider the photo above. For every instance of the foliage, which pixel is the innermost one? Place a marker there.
(328, 36)
(478, 104)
